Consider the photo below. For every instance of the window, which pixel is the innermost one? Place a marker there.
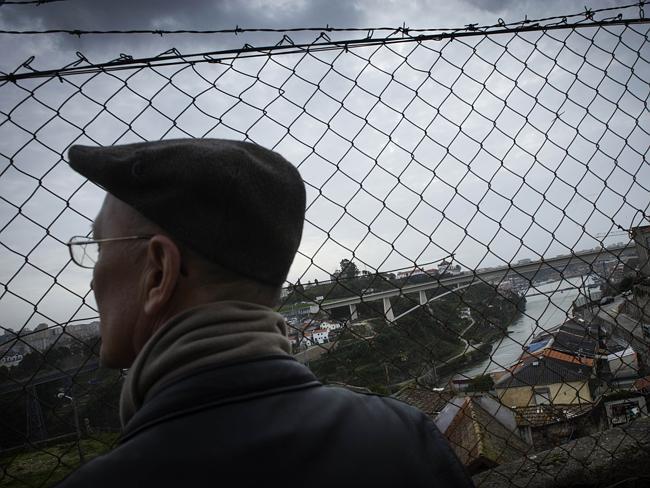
(542, 396)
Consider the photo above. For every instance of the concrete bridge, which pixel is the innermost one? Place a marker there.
(469, 278)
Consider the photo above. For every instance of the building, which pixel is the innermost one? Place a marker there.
(315, 336)
(41, 338)
(624, 410)
(417, 271)
(11, 360)
(623, 367)
(642, 385)
(429, 400)
(551, 377)
(641, 237)
(448, 268)
(81, 332)
(331, 325)
(576, 338)
(546, 426)
(465, 313)
(482, 432)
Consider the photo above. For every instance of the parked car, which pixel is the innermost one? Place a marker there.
(606, 300)
(646, 330)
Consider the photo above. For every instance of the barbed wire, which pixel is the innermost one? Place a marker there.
(285, 47)
(586, 15)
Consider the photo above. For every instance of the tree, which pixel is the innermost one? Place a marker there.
(349, 270)
(298, 288)
(481, 383)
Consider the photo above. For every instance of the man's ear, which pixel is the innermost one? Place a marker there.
(162, 272)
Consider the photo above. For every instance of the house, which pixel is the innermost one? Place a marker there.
(75, 333)
(623, 367)
(552, 377)
(11, 360)
(429, 400)
(574, 338)
(447, 267)
(482, 432)
(641, 237)
(316, 336)
(331, 325)
(642, 385)
(546, 426)
(624, 410)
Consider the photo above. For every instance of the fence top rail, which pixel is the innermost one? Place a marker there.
(286, 46)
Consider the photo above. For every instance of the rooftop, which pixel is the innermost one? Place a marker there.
(540, 415)
(546, 370)
(479, 440)
(429, 401)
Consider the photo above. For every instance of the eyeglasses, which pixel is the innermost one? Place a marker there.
(85, 252)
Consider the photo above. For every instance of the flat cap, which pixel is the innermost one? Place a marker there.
(235, 203)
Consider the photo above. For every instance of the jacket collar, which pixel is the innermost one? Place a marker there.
(219, 385)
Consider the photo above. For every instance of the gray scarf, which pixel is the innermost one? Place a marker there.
(215, 333)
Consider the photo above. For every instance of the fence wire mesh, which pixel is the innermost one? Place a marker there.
(476, 240)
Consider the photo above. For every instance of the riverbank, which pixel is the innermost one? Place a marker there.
(543, 311)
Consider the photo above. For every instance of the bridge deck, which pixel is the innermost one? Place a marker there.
(485, 276)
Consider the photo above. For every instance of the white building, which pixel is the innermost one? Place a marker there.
(330, 326)
(317, 336)
(465, 313)
(449, 268)
(12, 360)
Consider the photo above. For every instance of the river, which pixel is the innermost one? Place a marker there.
(542, 313)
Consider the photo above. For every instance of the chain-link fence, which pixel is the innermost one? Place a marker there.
(476, 240)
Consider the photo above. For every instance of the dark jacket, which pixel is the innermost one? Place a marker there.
(270, 421)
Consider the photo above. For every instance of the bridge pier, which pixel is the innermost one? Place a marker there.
(388, 309)
(423, 297)
(353, 312)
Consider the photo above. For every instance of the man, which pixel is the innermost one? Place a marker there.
(193, 244)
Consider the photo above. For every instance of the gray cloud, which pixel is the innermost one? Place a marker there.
(496, 6)
(536, 8)
(169, 14)
(56, 50)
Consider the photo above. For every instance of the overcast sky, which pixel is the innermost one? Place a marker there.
(406, 157)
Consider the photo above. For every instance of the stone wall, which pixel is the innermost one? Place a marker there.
(619, 456)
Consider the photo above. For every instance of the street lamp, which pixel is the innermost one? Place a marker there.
(62, 395)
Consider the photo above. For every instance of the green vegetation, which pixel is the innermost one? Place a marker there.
(96, 394)
(492, 310)
(346, 281)
(481, 383)
(395, 353)
(48, 465)
(613, 288)
(428, 344)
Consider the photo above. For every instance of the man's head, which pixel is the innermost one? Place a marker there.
(218, 220)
